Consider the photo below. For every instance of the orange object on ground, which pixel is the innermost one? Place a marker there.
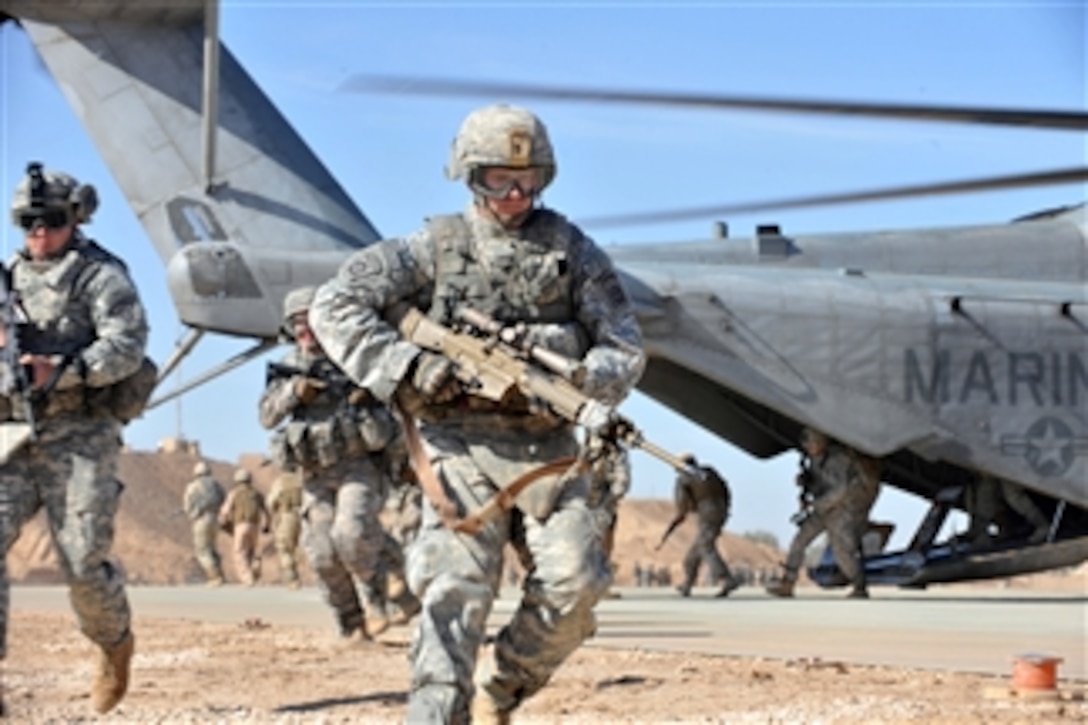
(1034, 672)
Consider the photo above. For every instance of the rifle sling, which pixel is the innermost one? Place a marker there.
(498, 504)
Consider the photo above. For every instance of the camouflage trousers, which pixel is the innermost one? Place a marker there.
(457, 577)
(286, 536)
(844, 533)
(376, 591)
(705, 550)
(247, 559)
(341, 533)
(205, 531)
(70, 471)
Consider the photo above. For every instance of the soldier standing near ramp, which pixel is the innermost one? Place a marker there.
(285, 506)
(708, 497)
(334, 436)
(73, 336)
(203, 497)
(245, 516)
(842, 487)
(517, 263)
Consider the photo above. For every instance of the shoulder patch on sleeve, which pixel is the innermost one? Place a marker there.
(365, 264)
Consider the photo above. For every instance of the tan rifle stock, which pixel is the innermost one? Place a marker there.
(495, 369)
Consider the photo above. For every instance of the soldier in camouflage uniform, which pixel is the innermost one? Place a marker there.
(245, 515)
(285, 505)
(516, 262)
(334, 436)
(83, 343)
(203, 497)
(842, 486)
(709, 499)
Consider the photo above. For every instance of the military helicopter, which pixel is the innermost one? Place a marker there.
(900, 344)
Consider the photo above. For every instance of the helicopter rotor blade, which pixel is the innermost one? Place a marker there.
(1040, 119)
(1016, 181)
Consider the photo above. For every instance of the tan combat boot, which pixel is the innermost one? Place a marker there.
(485, 711)
(783, 589)
(111, 677)
(376, 624)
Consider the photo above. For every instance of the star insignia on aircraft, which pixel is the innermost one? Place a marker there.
(1048, 445)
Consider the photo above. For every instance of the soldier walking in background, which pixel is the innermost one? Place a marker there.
(709, 498)
(517, 263)
(839, 487)
(203, 497)
(245, 516)
(73, 334)
(334, 435)
(285, 506)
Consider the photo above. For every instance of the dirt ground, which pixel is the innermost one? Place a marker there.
(196, 672)
(189, 671)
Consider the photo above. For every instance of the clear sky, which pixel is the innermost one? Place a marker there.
(389, 152)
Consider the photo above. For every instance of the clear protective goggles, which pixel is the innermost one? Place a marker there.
(498, 182)
(31, 219)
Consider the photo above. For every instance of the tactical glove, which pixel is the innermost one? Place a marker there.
(358, 396)
(434, 377)
(596, 417)
(306, 389)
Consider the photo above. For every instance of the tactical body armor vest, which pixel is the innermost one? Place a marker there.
(524, 277)
(329, 429)
(710, 494)
(60, 324)
(246, 506)
(290, 499)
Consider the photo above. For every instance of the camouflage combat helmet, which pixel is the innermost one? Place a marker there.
(242, 476)
(501, 135)
(201, 469)
(811, 436)
(296, 301)
(49, 191)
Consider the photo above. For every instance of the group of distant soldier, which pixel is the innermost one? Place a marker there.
(244, 514)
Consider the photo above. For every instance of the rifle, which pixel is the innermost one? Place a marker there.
(668, 531)
(321, 369)
(15, 378)
(498, 362)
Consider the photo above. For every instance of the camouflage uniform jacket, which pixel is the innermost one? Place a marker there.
(83, 304)
(709, 496)
(840, 482)
(546, 273)
(327, 430)
(203, 495)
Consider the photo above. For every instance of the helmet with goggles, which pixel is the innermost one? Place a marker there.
(507, 137)
(297, 301)
(51, 199)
